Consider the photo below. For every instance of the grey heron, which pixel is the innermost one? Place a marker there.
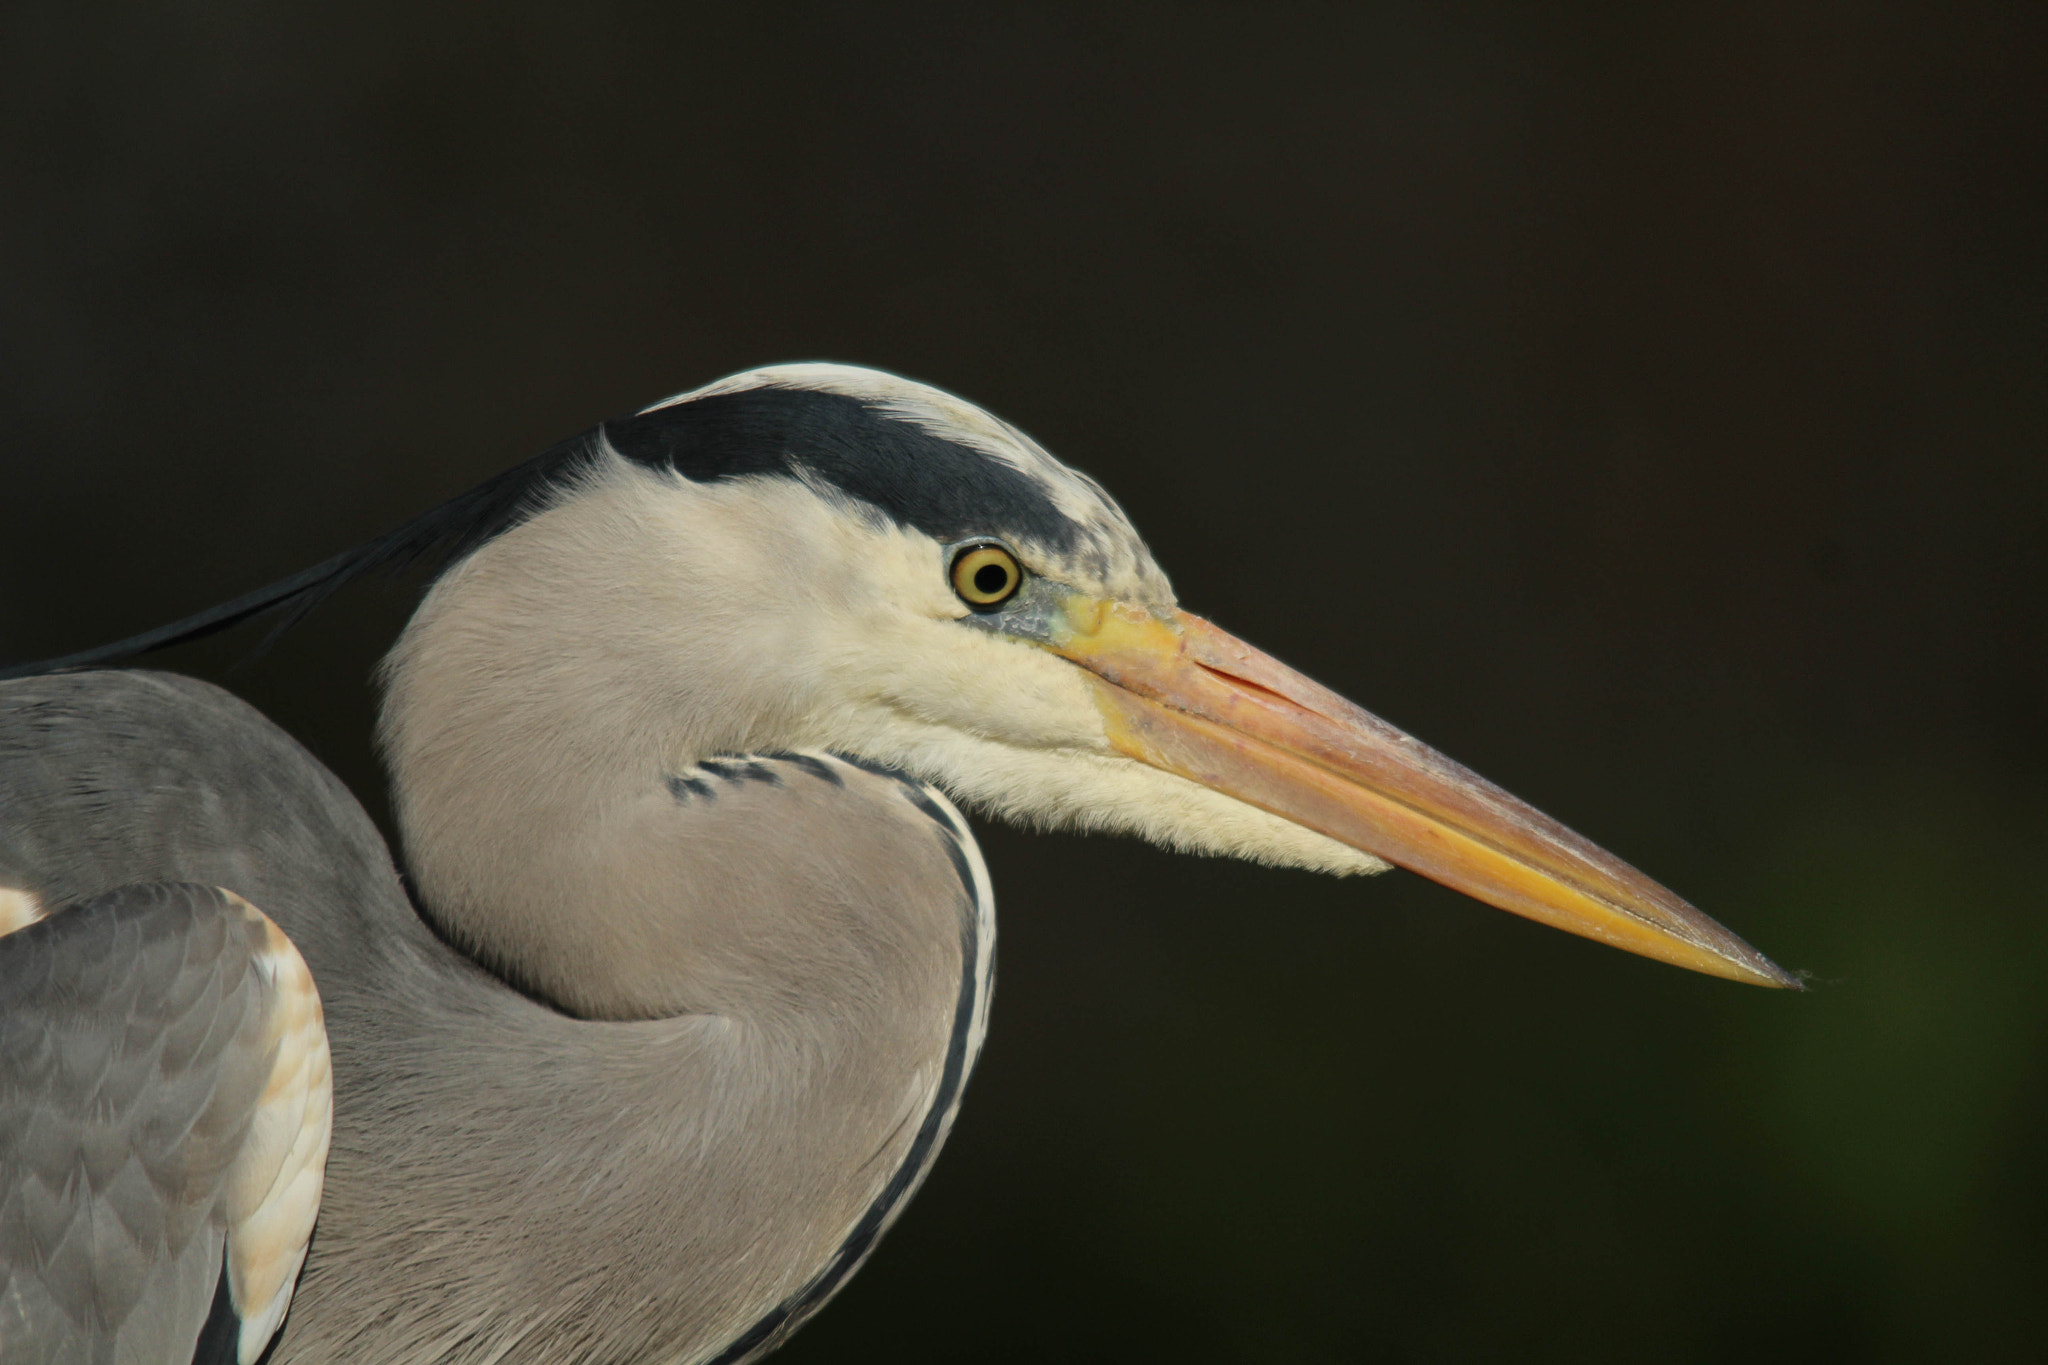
(691, 958)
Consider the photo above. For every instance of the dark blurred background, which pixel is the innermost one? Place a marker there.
(1645, 404)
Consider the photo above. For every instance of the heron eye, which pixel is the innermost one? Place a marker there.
(985, 576)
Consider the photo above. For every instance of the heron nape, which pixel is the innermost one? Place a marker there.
(691, 958)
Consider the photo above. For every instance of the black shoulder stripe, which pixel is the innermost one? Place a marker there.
(811, 764)
(947, 490)
(734, 768)
(746, 768)
(220, 1336)
(949, 841)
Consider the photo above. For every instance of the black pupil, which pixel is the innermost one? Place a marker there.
(991, 579)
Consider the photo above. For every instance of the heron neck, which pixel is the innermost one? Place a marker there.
(536, 708)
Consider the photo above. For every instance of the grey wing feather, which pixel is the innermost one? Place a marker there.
(164, 1100)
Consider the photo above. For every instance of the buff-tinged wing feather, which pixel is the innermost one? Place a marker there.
(164, 1106)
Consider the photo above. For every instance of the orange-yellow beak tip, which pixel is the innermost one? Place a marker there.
(1183, 696)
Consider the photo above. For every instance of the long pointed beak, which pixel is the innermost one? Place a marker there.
(1181, 695)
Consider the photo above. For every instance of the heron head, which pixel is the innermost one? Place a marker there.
(821, 556)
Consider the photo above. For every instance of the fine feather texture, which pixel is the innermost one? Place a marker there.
(710, 952)
(132, 1157)
(684, 620)
(506, 1178)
